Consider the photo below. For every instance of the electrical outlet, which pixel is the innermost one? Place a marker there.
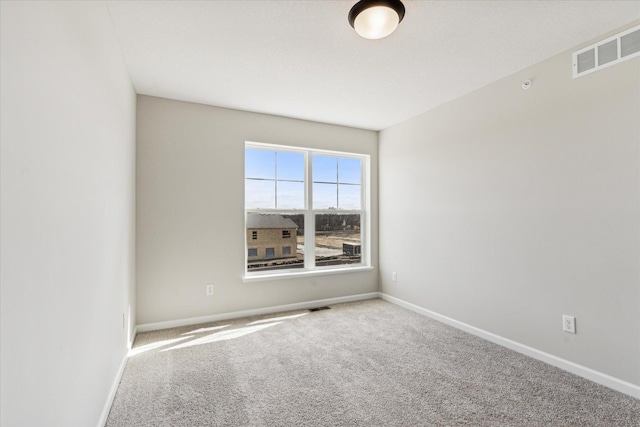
(209, 290)
(394, 276)
(569, 324)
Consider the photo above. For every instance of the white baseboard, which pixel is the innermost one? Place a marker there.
(116, 382)
(582, 371)
(146, 327)
(213, 318)
(133, 338)
(112, 393)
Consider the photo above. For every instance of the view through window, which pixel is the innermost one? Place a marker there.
(286, 189)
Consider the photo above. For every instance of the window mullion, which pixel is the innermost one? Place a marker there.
(275, 181)
(364, 254)
(365, 206)
(309, 220)
(337, 184)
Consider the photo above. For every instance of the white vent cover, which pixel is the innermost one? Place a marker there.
(610, 51)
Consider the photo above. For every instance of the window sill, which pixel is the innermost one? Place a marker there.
(302, 274)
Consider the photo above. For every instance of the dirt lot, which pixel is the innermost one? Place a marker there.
(329, 245)
(333, 239)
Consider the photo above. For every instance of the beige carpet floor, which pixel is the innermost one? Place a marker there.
(368, 363)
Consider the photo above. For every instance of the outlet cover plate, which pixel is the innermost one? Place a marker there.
(569, 324)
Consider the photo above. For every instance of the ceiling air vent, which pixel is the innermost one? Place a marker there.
(607, 52)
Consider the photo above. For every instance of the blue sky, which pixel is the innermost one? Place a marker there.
(276, 180)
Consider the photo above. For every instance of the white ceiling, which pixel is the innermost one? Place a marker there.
(302, 59)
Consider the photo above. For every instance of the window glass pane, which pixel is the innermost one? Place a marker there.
(348, 196)
(290, 166)
(259, 164)
(337, 239)
(290, 195)
(348, 170)
(259, 194)
(275, 180)
(273, 252)
(325, 169)
(325, 196)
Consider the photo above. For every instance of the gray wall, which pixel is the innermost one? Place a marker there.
(67, 212)
(522, 206)
(190, 209)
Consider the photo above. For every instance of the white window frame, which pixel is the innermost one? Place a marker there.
(310, 268)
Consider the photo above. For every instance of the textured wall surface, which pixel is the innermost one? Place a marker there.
(190, 209)
(524, 206)
(67, 212)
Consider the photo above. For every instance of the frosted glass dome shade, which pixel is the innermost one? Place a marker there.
(376, 19)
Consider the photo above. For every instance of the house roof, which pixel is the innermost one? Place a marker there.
(255, 220)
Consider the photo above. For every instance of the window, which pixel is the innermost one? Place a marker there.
(253, 252)
(317, 197)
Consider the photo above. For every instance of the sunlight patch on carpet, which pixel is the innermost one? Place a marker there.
(275, 319)
(212, 328)
(223, 336)
(154, 345)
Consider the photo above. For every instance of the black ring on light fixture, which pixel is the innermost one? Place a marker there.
(362, 5)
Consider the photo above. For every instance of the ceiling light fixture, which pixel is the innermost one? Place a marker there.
(376, 19)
